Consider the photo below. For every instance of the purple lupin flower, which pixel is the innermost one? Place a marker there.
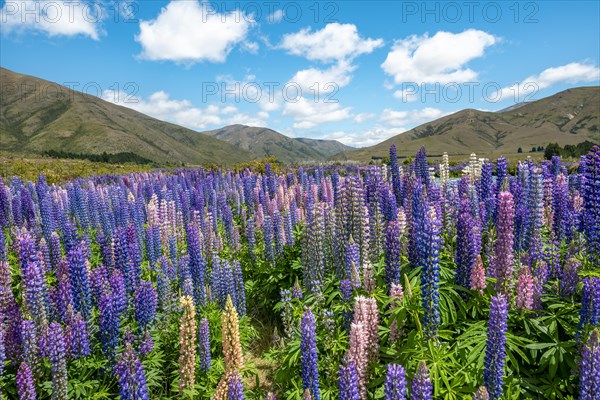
(147, 345)
(495, 352)
(589, 369)
(395, 382)
(569, 277)
(35, 291)
(77, 336)
(352, 264)
(30, 344)
(268, 238)
(395, 172)
(468, 244)
(421, 388)
(25, 386)
(502, 265)
(2, 349)
(392, 253)
(308, 352)
(348, 382)
(235, 387)
(58, 361)
(204, 344)
(131, 376)
(146, 303)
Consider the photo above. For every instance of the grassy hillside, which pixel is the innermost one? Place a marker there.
(568, 117)
(37, 116)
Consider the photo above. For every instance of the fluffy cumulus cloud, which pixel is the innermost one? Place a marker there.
(334, 42)
(367, 137)
(189, 32)
(53, 18)
(307, 114)
(336, 45)
(410, 118)
(573, 73)
(363, 117)
(315, 80)
(182, 112)
(441, 58)
(388, 124)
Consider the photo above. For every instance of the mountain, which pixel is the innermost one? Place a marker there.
(568, 117)
(263, 142)
(326, 147)
(37, 115)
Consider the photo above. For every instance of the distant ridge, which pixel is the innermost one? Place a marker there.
(568, 117)
(263, 142)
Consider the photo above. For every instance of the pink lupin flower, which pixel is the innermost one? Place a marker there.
(524, 298)
(478, 276)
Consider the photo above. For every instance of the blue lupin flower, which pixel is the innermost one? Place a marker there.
(146, 303)
(308, 353)
(131, 376)
(430, 243)
(395, 382)
(590, 304)
(79, 281)
(204, 344)
(235, 387)
(197, 264)
(495, 352)
(348, 382)
(238, 287)
(589, 369)
(58, 360)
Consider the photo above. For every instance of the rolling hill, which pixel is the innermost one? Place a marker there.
(568, 117)
(262, 142)
(37, 115)
(326, 147)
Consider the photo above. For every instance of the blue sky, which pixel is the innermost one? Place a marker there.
(359, 72)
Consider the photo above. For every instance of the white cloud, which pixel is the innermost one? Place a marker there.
(307, 114)
(275, 17)
(334, 42)
(570, 73)
(363, 117)
(250, 47)
(317, 81)
(367, 137)
(410, 117)
(182, 112)
(188, 32)
(53, 18)
(390, 123)
(441, 58)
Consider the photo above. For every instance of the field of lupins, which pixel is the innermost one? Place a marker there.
(376, 282)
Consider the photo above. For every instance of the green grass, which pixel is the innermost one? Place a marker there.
(60, 170)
